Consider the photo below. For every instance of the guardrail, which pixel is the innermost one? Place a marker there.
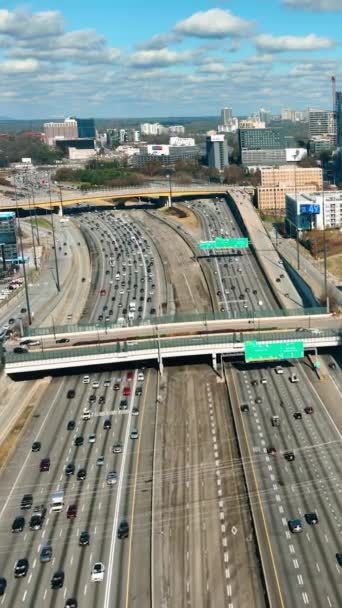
(177, 318)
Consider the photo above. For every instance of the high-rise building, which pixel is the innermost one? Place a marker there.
(265, 116)
(294, 115)
(217, 152)
(67, 130)
(177, 130)
(86, 127)
(226, 116)
(261, 139)
(253, 122)
(339, 119)
(305, 211)
(148, 128)
(8, 236)
(321, 122)
(276, 181)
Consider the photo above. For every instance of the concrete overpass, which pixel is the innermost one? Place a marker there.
(97, 197)
(156, 350)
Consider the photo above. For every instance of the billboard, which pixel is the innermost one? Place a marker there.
(295, 154)
(313, 208)
(158, 150)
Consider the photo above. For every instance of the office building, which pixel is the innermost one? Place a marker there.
(255, 159)
(226, 116)
(321, 123)
(167, 154)
(264, 116)
(320, 144)
(8, 237)
(276, 181)
(217, 152)
(115, 137)
(148, 128)
(67, 129)
(251, 123)
(339, 119)
(294, 115)
(261, 139)
(182, 141)
(176, 130)
(305, 211)
(231, 127)
(86, 128)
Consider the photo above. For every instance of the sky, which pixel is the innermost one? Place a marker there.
(148, 58)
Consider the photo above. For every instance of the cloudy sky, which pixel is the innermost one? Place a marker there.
(117, 58)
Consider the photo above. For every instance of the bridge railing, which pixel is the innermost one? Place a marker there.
(177, 318)
(170, 343)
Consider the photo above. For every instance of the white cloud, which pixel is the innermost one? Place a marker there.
(315, 5)
(159, 58)
(20, 66)
(213, 68)
(214, 23)
(23, 24)
(159, 41)
(279, 44)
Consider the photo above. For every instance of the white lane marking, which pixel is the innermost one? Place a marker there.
(24, 596)
(29, 454)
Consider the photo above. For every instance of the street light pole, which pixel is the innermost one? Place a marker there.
(54, 243)
(32, 232)
(168, 175)
(23, 259)
(35, 216)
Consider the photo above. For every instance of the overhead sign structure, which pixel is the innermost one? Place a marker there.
(220, 243)
(313, 208)
(272, 351)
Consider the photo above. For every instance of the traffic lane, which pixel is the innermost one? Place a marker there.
(296, 487)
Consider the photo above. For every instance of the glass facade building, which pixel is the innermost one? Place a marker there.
(86, 127)
(339, 119)
(261, 139)
(8, 236)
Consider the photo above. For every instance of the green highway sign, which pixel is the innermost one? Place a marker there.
(220, 243)
(270, 351)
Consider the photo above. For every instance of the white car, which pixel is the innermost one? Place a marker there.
(134, 434)
(86, 414)
(97, 573)
(141, 377)
(279, 370)
(86, 380)
(92, 438)
(96, 384)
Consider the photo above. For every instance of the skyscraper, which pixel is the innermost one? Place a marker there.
(226, 116)
(8, 236)
(86, 127)
(217, 152)
(321, 122)
(339, 119)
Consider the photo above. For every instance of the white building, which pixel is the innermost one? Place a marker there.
(177, 129)
(231, 126)
(226, 116)
(152, 128)
(305, 211)
(60, 130)
(253, 122)
(182, 141)
(81, 154)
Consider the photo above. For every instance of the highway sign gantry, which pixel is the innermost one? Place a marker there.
(273, 351)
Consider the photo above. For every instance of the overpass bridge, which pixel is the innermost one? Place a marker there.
(157, 350)
(111, 195)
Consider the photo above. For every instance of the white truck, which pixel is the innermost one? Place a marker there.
(57, 501)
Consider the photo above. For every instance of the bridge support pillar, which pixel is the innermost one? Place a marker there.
(169, 202)
(60, 211)
(214, 362)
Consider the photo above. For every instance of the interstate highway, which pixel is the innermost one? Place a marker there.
(305, 563)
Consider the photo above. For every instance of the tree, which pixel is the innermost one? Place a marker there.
(308, 162)
(233, 174)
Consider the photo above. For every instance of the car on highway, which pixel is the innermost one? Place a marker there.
(103, 292)
(111, 478)
(78, 441)
(135, 411)
(295, 526)
(138, 391)
(81, 474)
(71, 393)
(298, 415)
(21, 567)
(294, 378)
(134, 434)
(244, 407)
(18, 524)
(117, 448)
(96, 384)
(258, 400)
(45, 554)
(26, 502)
(141, 377)
(289, 456)
(92, 398)
(69, 469)
(130, 376)
(332, 365)
(339, 558)
(126, 391)
(86, 380)
(263, 380)
(63, 341)
(116, 386)
(36, 445)
(84, 538)
(36, 522)
(309, 409)
(57, 580)
(71, 425)
(44, 464)
(279, 369)
(91, 438)
(20, 350)
(86, 414)
(254, 382)
(123, 405)
(102, 400)
(97, 572)
(107, 382)
(311, 518)
(71, 511)
(71, 603)
(100, 461)
(271, 450)
(123, 529)
(3, 585)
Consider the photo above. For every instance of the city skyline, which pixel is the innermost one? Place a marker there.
(65, 59)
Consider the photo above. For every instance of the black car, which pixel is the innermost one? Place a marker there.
(311, 519)
(81, 474)
(19, 350)
(107, 425)
(57, 580)
(78, 441)
(298, 415)
(339, 558)
(71, 425)
(18, 524)
(44, 464)
(36, 522)
(84, 538)
(92, 398)
(123, 529)
(289, 456)
(138, 391)
(244, 407)
(254, 382)
(71, 393)
(332, 365)
(36, 445)
(123, 405)
(258, 400)
(71, 603)
(102, 400)
(26, 501)
(62, 341)
(3, 585)
(70, 469)
(21, 567)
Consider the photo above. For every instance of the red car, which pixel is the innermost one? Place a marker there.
(126, 391)
(72, 511)
(102, 292)
(271, 450)
(129, 376)
(309, 409)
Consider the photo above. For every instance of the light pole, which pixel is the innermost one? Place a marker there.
(35, 215)
(23, 259)
(168, 176)
(32, 232)
(54, 243)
